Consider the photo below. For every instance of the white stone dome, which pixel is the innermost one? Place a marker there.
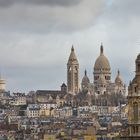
(102, 62)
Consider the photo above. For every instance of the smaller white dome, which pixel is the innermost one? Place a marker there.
(118, 79)
(85, 80)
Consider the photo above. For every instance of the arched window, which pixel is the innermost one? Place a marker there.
(135, 111)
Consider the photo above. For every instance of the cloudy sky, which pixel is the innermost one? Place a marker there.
(36, 37)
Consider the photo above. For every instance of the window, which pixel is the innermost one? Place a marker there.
(76, 78)
(138, 67)
(134, 129)
(135, 111)
(137, 129)
(135, 88)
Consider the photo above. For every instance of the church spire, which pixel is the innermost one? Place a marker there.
(101, 49)
(72, 49)
(85, 72)
(118, 72)
(72, 57)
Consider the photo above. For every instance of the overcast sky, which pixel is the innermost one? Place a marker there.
(36, 38)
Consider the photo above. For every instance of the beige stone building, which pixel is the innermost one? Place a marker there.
(100, 89)
(45, 112)
(134, 103)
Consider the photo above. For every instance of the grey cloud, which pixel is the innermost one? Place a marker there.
(124, 11)
(34, 18)
(5, 3)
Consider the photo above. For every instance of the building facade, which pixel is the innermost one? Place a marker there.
(134, 102)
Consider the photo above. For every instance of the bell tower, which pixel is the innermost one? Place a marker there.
(134, 103)
(73, 73)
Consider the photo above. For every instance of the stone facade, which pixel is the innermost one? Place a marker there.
(134, 102)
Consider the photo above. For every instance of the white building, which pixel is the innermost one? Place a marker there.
(33, 111)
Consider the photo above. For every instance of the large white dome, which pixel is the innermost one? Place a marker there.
(102, 62)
